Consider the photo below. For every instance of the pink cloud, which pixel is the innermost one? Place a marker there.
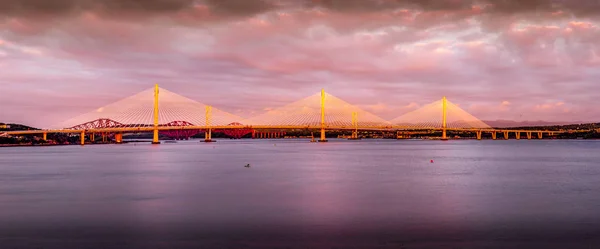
(388, 60)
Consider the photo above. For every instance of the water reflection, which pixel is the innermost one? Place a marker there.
(297, 193)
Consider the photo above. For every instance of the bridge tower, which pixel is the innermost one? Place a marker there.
(155, 137)
(444, 114)
(208, 132)
(355, 126)
(323, 139)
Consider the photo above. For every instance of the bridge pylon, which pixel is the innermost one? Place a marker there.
(355, 126)
(323, 138)
(444, 117)
(208, 131)
(155, 125)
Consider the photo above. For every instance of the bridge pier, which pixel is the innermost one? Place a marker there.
(45, 136)
(323, 138)
(479, 135)
(540, 134)
(494, 135)
(119, 138)
(518, 135)
(506, 135)
(82, 138)
(528, 135)
(93, 137)
(208, 136)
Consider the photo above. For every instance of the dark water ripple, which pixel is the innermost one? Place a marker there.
(342, 194)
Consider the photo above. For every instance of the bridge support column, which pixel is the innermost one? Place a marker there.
(208, 136)
(155, 131)
(253, 134)
(444, 115)
(93, 137)
(208, 133)
(323, 138)
(119, 138)
(354, 135)
(104, 137)
(479, 135)
(528, 135)
(82, 138)
(45, 136)
(494, 135)
(506, 135)
(518, 135)
(540, 134)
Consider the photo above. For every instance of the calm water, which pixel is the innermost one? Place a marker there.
(296, 194)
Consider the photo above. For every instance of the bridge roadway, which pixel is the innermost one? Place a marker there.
(267, 127)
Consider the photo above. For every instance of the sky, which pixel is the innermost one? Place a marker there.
(497, 59)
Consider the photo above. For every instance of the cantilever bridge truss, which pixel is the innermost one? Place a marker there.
(171, 114)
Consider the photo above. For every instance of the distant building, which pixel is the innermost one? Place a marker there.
(4, 126)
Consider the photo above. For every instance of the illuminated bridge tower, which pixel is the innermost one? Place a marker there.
(208, 131)
(355, 127)
(155, 137)
(444, 117)
(323, 138)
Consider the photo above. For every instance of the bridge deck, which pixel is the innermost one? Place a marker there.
(225, 127)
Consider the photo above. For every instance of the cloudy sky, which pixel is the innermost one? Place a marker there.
(498, 59)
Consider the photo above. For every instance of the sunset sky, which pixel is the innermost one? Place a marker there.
(506, 59)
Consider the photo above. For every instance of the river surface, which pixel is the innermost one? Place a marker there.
(296, 194)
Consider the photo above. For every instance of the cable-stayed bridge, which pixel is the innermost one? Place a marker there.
(159, 111)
